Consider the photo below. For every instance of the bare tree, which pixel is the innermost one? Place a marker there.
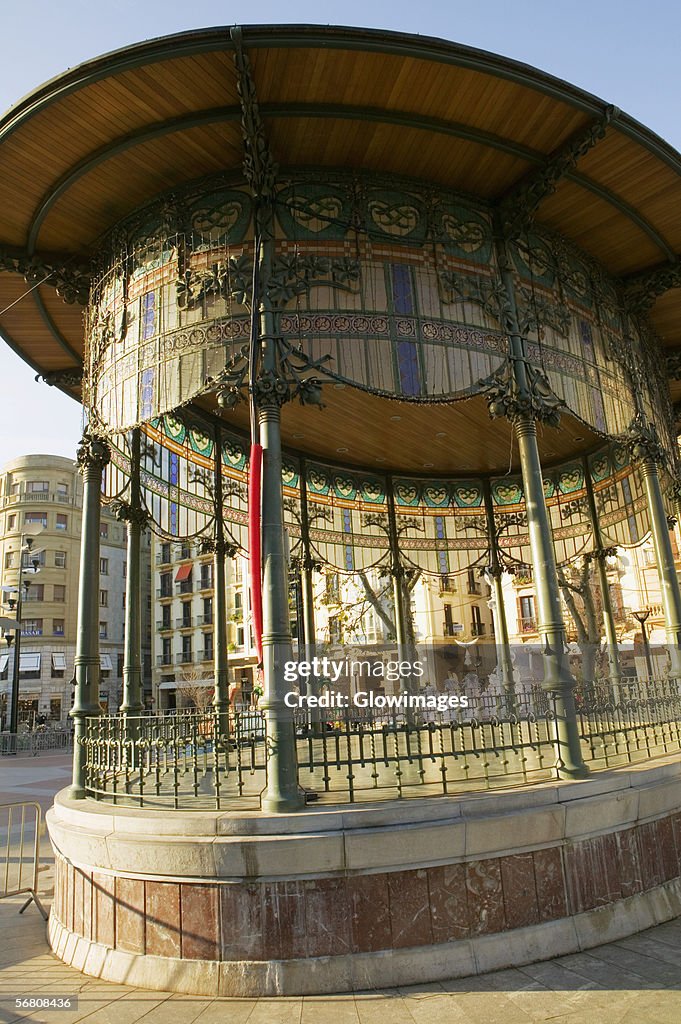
(577, 584)
(195, 689)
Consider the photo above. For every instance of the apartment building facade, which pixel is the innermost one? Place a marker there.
(41, 496)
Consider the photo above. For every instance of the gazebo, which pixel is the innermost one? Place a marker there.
(411, 306)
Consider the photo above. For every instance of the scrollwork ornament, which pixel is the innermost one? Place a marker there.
(270, 389)
(72, 378)
(216, 546)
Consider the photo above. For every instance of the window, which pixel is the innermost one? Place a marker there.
(477, 626)
(125, 570)
(36, 592)
(62, 491)
(62, 522)
(165, 553)
(240, 636)
(166, 585)
(55, 709)
(332, 588)
(59, 592)
(60, 559)
(186, 614)
(206, 576)
(103, 631)
(10, 560)
(104, 530)
(186, 655)
(238, 601)
(527, 618)
(32, 627)
(207, 646)
(58, 665)
(123, 601)
(38, 518)
(104, 599)
(165, 616)
(12, 521)
(104, 566)
(16, 488)
(30, 558)
(57, 627)
(185, 551)
(37, 486)
(166, 657)
(207, 611)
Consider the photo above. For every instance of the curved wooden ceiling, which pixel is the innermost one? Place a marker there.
(88, 147)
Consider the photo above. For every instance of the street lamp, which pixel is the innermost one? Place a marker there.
(641, 616)
(15, 604)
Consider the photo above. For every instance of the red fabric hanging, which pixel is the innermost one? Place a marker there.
(255, 543)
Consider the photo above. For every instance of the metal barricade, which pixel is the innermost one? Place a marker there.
(20, 830)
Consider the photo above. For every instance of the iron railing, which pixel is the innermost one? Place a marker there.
(38, 742)
(364, 753)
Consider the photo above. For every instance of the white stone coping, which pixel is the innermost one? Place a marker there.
(391, 836)
(362, 971)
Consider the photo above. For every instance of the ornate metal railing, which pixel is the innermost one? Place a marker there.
(185, 760)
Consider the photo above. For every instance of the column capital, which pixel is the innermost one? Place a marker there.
(643, 442)
(599, 554)
(93, 450)
(209, 546)
(505, 397)
(126, 512)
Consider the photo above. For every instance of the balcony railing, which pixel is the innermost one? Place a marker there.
(185, 587)
(162, 626)
(528, 624)
(164, 659)
(452, 628)
(478, 628)
(206, 655)
(205, 620)
(26, 497)
(205, 583)
(186, 622)
(164, 592)
(184, 658)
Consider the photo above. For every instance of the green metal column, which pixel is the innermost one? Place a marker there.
(93, 456)
(647, 452)
(524, 396)
(271, 391)
(134, 517)
(307, 566)
(220, 552)
(504, 659)
(600, 554)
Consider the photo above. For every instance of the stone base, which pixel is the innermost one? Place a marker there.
(349, 898)
(363, 971)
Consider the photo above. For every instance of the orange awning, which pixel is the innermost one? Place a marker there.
(183, 573)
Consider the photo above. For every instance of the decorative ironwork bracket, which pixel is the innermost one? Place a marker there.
(519, 206)
(62, 378)
(72, 283)
(641, 290)
(260, 169)
(277, 386)
(125, 512)
(92, 450)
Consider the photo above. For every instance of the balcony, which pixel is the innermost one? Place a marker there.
(452, 628)
(478, 628)
(164, 592)
(161, 560)
(164, 659)
(184, 658)
(474, 587)
(204, 620)
(206, 655)
(162, 626)
(185, 587)
(205, 582)
(528, 624)
(446, 585)
(27, 497)
(186, 622)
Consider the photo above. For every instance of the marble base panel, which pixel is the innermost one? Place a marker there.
(242, 910)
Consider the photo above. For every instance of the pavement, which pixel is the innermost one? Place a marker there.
(633, 981)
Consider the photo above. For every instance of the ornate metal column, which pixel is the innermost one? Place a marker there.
(221, 551)
(524, 396)
(495, 570)
(135, 519)
(647, 452)
(599, 554)
(93, 456)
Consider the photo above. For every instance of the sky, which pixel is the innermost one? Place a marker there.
(624, 51)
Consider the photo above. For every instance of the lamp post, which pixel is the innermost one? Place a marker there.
(15, 605)
(641, 616)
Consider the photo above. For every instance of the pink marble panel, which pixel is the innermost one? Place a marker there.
(520, 892)
(485, 896)
(200, 915)
(130, 914)
(162, 910)
(369, 912)
(409, 908)
(241, 922)
(327, 917)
